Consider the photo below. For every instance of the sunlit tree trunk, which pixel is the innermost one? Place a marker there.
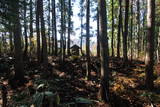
(149, 61)
(25, 31)
(131, 42)
(31, 28)
(38, 31)
(119, 29)
(138, 28)
(112, 40)
(49, 28)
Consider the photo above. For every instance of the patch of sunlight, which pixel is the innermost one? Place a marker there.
(138, 69)
(142, 75)
(128, 81)
(118, 87)
(80, 89)
(157, 81)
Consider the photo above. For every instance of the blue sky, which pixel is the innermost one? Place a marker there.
(77, 22)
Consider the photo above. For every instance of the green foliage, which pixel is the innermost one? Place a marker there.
(82, 100)
(39, 97)
(21, 96)
(151, 96)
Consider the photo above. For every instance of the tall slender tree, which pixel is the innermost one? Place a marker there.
(25, 29)
(69, 27)
(125, 32)
(98, 39)
(49, 27)
(19, 67)
(131, 33)
(54, 29)
(11, 38)
(31, 28)
(44, 42)
(149, 61)
(119, 28)
(138, 28)
(81, 18)
(88, 67)
(38, 31)
(104, 90)
(112, 40)
(62, 31)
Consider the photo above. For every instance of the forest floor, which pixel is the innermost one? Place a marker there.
(67, 86)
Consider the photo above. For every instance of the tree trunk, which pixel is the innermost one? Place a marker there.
(119, 29)
(149, 61)
(54, 28)
(131, 30)
(104, 90)
(11, 41)
(69, 27)
(31, 29)
(25, 32)
(62, 31)
(138, 29)
(125, 33)
(0, 45)
(81, 15)
(38, 31)
(19, 74)
(88, 67)
(49, 38)
(98, 39)
(44, 42)
(112, 40)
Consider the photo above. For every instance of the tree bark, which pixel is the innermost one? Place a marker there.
(62, 31)
(131, 30)
(31, 29)
(138, 28)
(119, 29)
(25, 31)
(150, 44)
(49, 27)
(98, 39)
(88, 67)
(104, 90)
(44, 42)
(54, 28)
(112, 40)
(19, 68)
(38, 32)
(125, 33)
(69, 27)
(11, 41)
